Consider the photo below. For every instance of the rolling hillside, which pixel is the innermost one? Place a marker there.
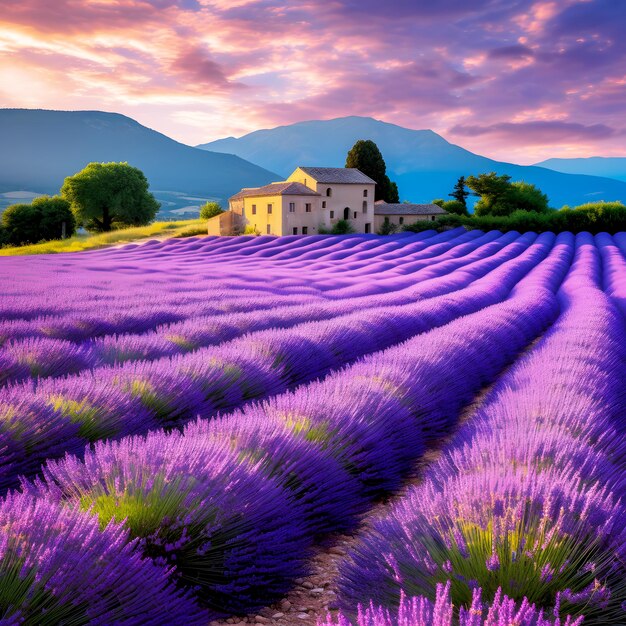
(423, 163)
(611, 167)
(47, 146)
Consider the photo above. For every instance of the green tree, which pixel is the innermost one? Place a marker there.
(40, 221)
(394, 194)
(455, 206)
(104, 196)
(499, 197)
(54, 213)
(460, 192)
(365, 156)
(20, 223)
(439, 202)
(526, 197)
(209, 210)
(492, 189)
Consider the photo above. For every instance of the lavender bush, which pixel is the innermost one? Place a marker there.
(223, 405)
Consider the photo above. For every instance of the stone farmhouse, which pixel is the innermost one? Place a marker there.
(400, 214)
(312, 197)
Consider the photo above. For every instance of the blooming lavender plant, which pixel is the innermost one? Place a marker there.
(226, 530)
(57, 566)
(420, 611)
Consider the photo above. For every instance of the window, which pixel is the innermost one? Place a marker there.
(292, 207)
(433, 218)
(307, 207)
(355, 214)
(295, 230)
(401, 220)
(329, 192)
(386, 220)
(254, 209)
(332, 215)
(269, 208)
(365, 193)
(323, 204)
(346, 213)
(305, 230)
(269, 229)
(364, 206)
(368, 227)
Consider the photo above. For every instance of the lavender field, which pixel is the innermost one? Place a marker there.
(186, 422)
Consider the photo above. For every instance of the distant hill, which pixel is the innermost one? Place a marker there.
(41, 148)
(609, 167)
(423, 163)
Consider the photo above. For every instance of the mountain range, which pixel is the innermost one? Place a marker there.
(41, 148)
(611, 167)
(423, 163)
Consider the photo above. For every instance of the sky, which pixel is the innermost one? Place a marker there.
(516, 80)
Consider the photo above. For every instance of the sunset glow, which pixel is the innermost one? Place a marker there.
(517, 80)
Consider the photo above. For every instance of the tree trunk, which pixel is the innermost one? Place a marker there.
(106, 219)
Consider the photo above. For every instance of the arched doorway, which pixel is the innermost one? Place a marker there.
(346, 213)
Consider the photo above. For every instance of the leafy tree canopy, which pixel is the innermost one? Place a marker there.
(209, 210)
(455, 206)
(40, 221)
(500, 197)
(365, 156)
(104, 196)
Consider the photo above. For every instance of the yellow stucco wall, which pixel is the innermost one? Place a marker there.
(280, 221)
(350, 196)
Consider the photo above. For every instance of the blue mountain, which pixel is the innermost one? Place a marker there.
(423, 163)
(610, 167)
(41, 148)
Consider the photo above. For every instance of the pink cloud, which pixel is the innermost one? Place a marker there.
(499, 77)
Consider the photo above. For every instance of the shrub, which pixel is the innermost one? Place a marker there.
(251, 230)
(40, 221)
(454, 206)
(342, 227)
(387, 228)
(209, 210)
(594, 217)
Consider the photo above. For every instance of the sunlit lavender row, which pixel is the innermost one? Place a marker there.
(185, 470)
(527, 497)
(56, 415)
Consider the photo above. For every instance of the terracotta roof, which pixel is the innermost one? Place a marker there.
(276, 189)
(338, 175)
(385, 208)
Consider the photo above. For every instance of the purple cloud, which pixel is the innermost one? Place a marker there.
(538, 132)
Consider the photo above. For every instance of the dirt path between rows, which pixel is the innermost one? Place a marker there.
(315, 596)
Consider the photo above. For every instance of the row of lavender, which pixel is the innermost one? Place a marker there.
(223, 515)
(528, 498)
(28, 351)
(69, 285)
(59, 415)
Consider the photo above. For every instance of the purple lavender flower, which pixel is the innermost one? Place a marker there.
(58, 566)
